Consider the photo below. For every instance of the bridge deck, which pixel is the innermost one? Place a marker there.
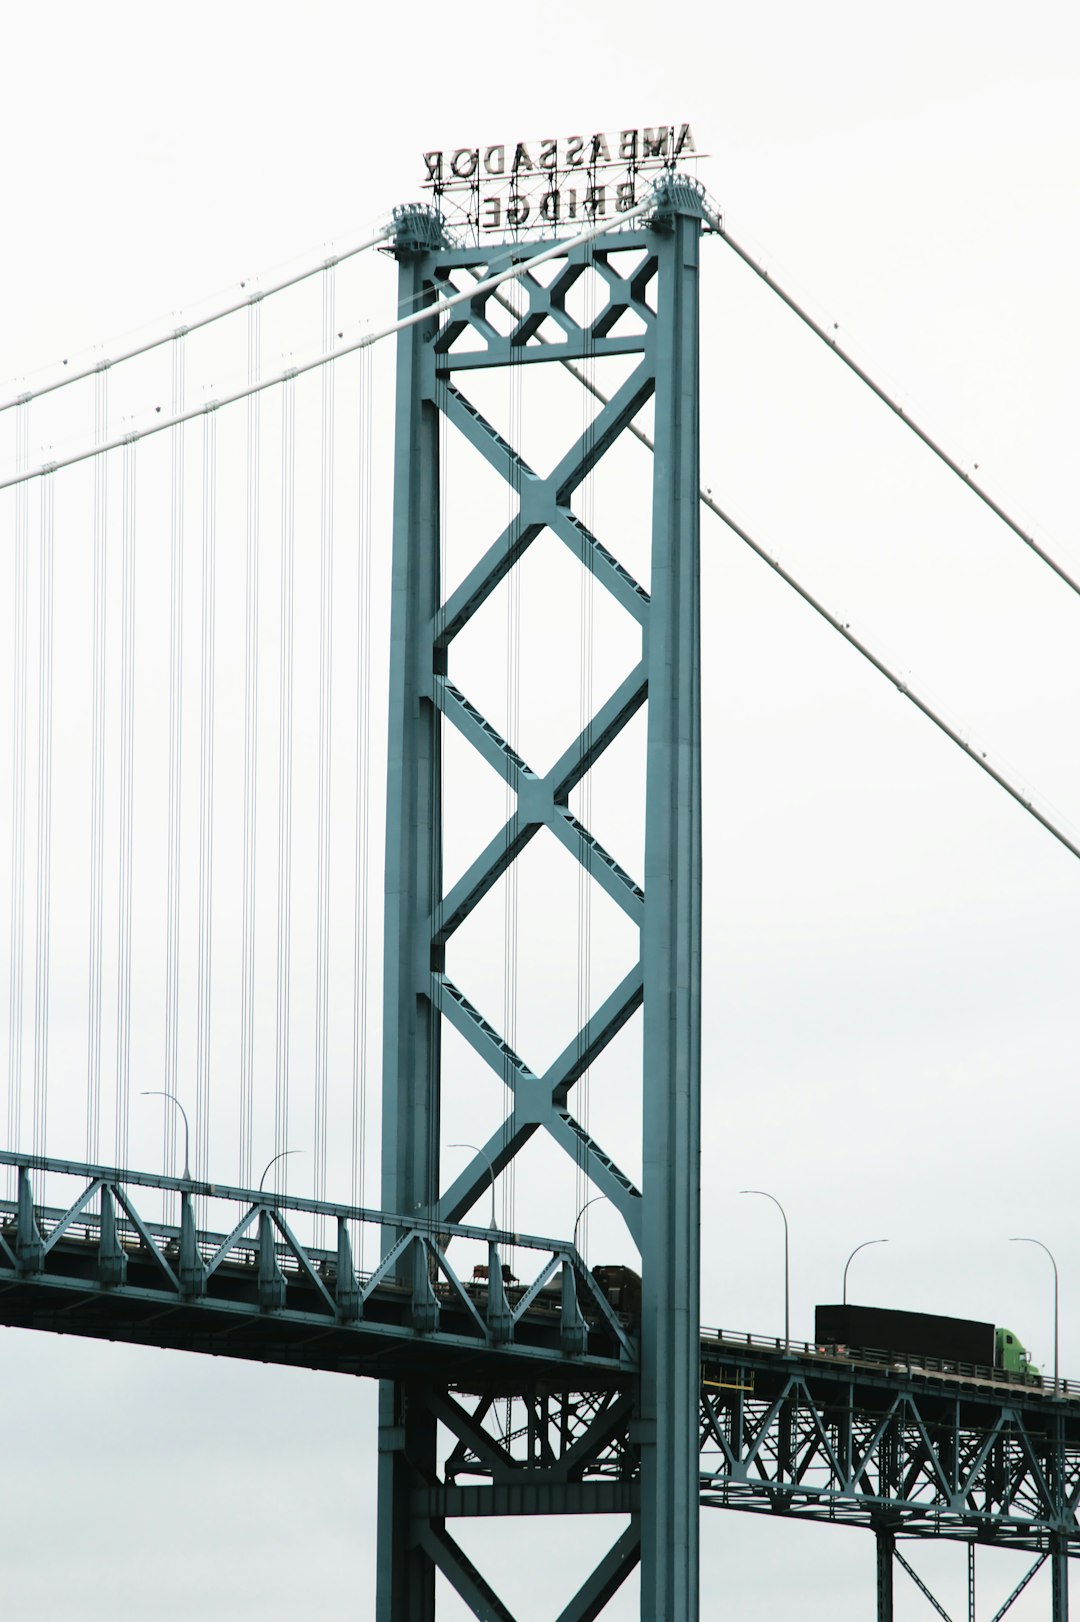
(258, 1290)
(917, 1449)
(857, 1438)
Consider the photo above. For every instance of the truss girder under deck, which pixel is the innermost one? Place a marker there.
(905, 1452)
(105, 1264)
(535, 1387)
(635, 1455)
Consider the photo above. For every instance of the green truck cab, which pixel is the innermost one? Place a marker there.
(1011, 1356)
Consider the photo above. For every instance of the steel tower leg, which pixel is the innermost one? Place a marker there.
(632, 1450)
(886, 1544)
(1059, 1573)
(671, 954)
(410, 1123)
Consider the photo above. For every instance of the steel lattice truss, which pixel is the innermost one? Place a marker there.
(101, 1266)
(645, 280)
(543, 801)
(535, 1406)
(921, 1455)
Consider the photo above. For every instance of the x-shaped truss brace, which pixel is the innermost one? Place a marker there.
(542, 801)
(921, 1474)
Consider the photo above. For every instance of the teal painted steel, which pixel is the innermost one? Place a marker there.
(671, 958)
(655, 1439)
(102, 1267)
(1059, 1579)
(819, 1436)
(796, 1432)
(886, 1546)
(411, 1041)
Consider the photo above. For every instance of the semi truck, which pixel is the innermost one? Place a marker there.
(947, 1341)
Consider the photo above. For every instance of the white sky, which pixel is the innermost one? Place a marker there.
(891, 968)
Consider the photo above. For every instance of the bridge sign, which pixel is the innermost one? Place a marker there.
(516, 186)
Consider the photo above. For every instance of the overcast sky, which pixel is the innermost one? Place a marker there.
(891, 1015)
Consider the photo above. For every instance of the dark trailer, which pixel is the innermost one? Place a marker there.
(914, 1334)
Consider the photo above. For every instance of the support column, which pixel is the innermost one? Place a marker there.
(659, 1419)
(886, 1545)
(671, 955)
(1059, 1572)
(405, 1578)
(410, 1124)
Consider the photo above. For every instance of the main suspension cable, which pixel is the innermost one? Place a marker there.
(428, 312)
(842, 629)
(830, 341)
(196, 325)
(902, 687)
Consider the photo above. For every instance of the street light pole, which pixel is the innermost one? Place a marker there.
(274, 1162)
(1021, 1240)
(581, 1213)
(787, 1260)
(854, 1253)
(486, 1158)
(187, 1130)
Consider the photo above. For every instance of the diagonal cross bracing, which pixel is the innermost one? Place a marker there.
(544, 502)
(542, 801)
(647, 315)
(850, 1440)
(105, 1266)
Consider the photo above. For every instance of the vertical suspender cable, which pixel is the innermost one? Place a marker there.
(127, 819)
(433, 1129)
(444, 500)
(18, 783)
(513, 726)
(362, 821)
(585, 714)
(176, 717)
(44, 813)
(435, 1072)
(251, 752)
(285, 751)
(206, 792)
(326, 674)
(97, 772)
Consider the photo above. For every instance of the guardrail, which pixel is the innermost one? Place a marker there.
(877, 1358)
(102, 1232)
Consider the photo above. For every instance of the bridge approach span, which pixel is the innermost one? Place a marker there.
(902, 1447)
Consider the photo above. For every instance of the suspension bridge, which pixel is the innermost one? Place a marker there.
(194, 569)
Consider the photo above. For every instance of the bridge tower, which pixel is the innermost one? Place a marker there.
(631, 1451)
